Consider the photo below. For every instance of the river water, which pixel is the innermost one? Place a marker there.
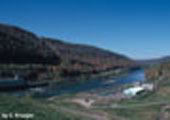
(132, 77)
(89, 85)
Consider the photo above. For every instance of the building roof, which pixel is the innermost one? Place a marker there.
(133, 91)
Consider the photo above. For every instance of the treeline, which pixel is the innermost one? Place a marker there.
(159, 71)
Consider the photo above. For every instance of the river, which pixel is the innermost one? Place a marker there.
(132, 77)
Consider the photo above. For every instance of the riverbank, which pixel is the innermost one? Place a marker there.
(102, 87)
(66, 106)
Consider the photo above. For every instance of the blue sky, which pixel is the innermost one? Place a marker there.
(139, 29)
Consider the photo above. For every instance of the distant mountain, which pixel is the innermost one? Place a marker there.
(22, 47)
(153, 61)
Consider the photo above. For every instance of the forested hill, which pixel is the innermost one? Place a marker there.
(22, 47)
(76, 55)
(19, 46)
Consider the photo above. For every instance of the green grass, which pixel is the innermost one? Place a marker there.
(162, 93)
(146, 113)
(40, 109)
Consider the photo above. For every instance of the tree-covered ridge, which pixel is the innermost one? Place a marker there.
(21, 47)
(78, 56)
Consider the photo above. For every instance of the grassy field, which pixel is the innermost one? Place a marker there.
(40, 108)
(147, 106)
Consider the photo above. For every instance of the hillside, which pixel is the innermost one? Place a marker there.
(22, 47)
(158, 72)
(19, 46)
(77, 57)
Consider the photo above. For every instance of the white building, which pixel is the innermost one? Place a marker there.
(136, 89)
(133, 91)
